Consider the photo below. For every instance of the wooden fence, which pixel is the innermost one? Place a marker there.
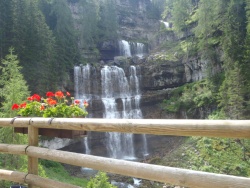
(177, 176)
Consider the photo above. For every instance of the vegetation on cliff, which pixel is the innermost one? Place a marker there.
(208, 27)
(219, 31)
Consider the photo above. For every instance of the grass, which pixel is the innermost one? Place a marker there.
(56, 171)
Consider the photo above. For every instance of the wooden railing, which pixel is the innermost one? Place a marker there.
(177, 176)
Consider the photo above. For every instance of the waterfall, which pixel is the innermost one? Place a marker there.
(166, 24)
(120, 95)
(129, 49)
(137, 114)
(124, 47)
(140, 50)
(82, 82)
(85, 141)
(115, 85)
(83, 90)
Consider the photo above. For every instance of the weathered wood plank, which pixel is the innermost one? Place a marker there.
(13, 149)
(210, 128)
(14, 176)
(177, 176)
(32, 161)
(23, 178)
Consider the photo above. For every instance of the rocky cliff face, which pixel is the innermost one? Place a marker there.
(134, 20)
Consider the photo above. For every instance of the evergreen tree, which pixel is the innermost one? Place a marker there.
(246, 63)
(61, 22)
(88, 22)
(5, 27)
(208, 22)
(108, 21)
(234, 32)
(181, 12)
(13, 89)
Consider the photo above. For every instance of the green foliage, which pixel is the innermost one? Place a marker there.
(56, 171)
(174, 104)
(64, 110)
(13, 88)
(190, 97)
(232, 89)
(217, 155)
(181, 12)
(100, 180)
(221, 36)
(107, 24)
(32, 109)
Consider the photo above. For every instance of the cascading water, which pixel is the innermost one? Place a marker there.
(82, 82)
(137, 114)
(140, 50)
(85, 141)
(166, 24)
(129, 49)
(82, 90)
(114, 86)
(120, 95)
(124, 47)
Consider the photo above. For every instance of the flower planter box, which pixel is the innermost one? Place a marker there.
(60, 133)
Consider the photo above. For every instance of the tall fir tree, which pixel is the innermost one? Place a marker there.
(13, 89)
(234, 32)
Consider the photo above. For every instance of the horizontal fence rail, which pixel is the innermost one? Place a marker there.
(176, 176)
(209, 128)
(23, 178)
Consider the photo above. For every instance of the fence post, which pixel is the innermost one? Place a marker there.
(32, 161)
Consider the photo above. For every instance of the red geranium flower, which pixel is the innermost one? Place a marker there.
(67, 93)
(23, 105)
(36, 97)
(15, 106)
(31, 98)
(50, 94)
(59, 94)
(77, 101)
(51, 102)
(85, 103)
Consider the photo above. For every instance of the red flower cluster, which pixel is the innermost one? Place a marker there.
(34, 97)
(50, 101)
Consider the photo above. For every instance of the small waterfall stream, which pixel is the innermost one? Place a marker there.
(124, 47)
(129, 49)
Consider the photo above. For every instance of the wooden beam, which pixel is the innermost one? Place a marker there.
(14, 176)
(23, 178)
(176, 176)
(32, 161)
(46, 183)
(13, 149)
(209, 128)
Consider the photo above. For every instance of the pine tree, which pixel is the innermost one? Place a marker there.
(13, 89)
(246, 63)
(231, 92)
(181, 12)
(108, 21)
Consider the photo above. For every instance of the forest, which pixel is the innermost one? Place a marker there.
(39, 45)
